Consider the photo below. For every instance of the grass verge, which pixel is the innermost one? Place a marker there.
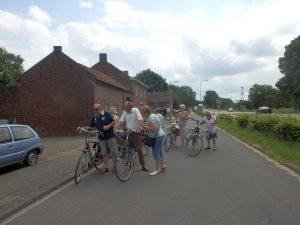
(285, 152)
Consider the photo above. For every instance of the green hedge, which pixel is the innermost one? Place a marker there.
(265, 123)
(242, 120)
(227, 117)
(286, 128)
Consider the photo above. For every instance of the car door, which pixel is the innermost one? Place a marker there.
(6, 147)
(24, 140)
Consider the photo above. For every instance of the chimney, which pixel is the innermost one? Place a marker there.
(103, 57)
(57, 48)
(126, 72)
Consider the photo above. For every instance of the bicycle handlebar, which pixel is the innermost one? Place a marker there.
(91, 132)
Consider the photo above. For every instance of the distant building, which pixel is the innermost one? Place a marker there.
(138, 88)
(57, 94)
(162, 101)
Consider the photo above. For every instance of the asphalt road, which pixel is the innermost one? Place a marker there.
(232, 186)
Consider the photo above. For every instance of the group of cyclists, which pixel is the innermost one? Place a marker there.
(138, 120)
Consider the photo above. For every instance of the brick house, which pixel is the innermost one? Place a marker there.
(162, 101)
(138, 88)
(56, 95)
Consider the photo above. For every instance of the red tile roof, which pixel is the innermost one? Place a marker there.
(104, 78)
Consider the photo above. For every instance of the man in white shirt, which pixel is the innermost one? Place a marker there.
(132, 119)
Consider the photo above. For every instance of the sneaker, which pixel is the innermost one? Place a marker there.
(144, 168)
(154, 173)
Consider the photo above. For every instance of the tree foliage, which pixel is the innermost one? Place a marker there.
(184, 95)
(154, 81)
(210, 99)
(263, 95)
(11, 68)
(289, 65)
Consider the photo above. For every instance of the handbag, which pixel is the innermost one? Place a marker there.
(149, 141)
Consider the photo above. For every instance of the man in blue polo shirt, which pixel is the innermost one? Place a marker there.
(104, 122)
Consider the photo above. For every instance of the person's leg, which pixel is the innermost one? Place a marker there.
(156, 156)
(138, 148)
(113, 149)
(214, 144)
(104, 151)
(208, 140)
(161, 152)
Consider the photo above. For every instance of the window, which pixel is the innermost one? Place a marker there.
(144, 94)
(21, 133)
(4, 135)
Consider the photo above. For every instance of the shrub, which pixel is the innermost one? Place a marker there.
(265, 122)
(226, 117)
(201, 113)
(242, 120)
(288, 128)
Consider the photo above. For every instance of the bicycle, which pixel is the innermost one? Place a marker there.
(145, 148)
(173, 137)
(94, 155)
(126, 154)
(194, 143)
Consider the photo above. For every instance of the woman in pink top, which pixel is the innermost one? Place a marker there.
(210, 122)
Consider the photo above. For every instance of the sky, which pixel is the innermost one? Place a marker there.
(229, 43)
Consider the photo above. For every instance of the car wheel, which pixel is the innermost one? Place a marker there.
(31, 158)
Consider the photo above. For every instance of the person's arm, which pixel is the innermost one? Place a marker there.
(122, 120)
(152, 127)
(111, 124)
(140, 119)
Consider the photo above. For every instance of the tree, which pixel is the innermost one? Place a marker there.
(289, 65)
(225, 103)
(243, 104)
(154, 81)
(184, 95)
(260, 95)
(210, 99)
(11, 68)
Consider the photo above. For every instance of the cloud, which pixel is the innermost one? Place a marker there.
(208, 62)
(258, 47)
(86, 4)
(39, 15)
(187, 45)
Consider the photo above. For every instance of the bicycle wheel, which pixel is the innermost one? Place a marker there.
(194, 146)
(80, 166)
(179, 141)
(98, 161)
(124, 166)
(168, 143)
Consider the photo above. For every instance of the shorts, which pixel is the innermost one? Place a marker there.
(108, 145)
(157, 150)
(211, 135)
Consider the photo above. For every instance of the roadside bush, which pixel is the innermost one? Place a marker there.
(226, 117)
(288, 128)
(242, 120)
(265, 122)
(201, 113)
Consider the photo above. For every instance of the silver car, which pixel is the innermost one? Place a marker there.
(19, 143)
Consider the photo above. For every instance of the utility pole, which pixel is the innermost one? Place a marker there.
(201, 89)
(242, 94)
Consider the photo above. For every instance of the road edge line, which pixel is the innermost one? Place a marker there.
(253, 148)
